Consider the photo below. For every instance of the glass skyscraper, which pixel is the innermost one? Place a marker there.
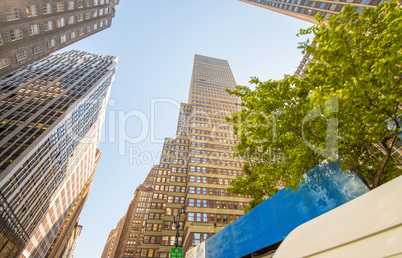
(51, 113)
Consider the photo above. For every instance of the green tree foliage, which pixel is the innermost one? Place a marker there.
(344, 110)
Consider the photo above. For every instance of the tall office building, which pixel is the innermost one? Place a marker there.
(30, 30)
(50, 123)
(197, 166)
(128, 242)
(306, 9)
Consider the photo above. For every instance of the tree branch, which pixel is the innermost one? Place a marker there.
(384, 163)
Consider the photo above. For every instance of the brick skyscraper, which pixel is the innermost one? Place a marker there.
(50, 123)
(128, 240)
(30, 30)
(197, 166)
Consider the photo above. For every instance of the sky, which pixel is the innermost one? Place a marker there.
(156, 42)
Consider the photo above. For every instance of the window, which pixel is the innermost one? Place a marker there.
(1, 40)
(88, 15)
(235, 205)
(211, 217)
(95, 14)
(80, 17)
(332, 7)
(60, 7)
(107, 23)
(166, 225)
(72, 35)
(13, 14)
(80, 3)
(190, 216)
(102, 2)
(96, 2)
(196, 239)
(31, 11)
(63, 39)
(88, 29)
(47, 8)
(81, 31)
(100, 12)
(60, 22)
(51, 43)
(15, 34)
(48, 26)
(71, 5)
(172, 240)
(34, 29)
(21, 55)
(101, 24)
(37, 49)
(106, 10)
(191, 190)
(89, 3)
(191, 202)
(4, 62)
(71, 19)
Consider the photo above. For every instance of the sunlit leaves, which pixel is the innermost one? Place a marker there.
(357, 60)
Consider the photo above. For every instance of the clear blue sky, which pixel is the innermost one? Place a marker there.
(156, 42)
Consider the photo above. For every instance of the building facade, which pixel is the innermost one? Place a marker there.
(306, 9)
(50, 122)
(30, 30)
(197, 166)
(128, 243)
(64, 243)
(111, 243)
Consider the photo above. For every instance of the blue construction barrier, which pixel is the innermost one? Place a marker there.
(326, 188)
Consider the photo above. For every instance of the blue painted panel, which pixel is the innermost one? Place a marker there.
(221, 244)
(326, 188)
(259, 227)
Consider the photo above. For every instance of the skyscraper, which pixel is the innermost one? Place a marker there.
(197, 166)
(128, 240)
(30, 30)
(306, 9)
(50, 122)
(110, 247)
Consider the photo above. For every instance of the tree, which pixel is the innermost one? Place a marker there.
(346, 109)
